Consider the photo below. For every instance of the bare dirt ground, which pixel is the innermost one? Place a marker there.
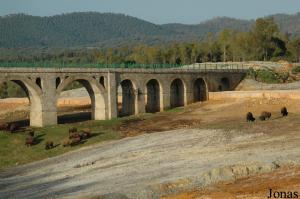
(209, 150)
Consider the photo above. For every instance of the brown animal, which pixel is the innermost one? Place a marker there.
(265, 115)
(29, 141)
(250, 117)
(49, 145)
(71, 142)
(75, 141)
(74, 135)
(262, 118)
(85, 133)
(4, 127)
(284, 112)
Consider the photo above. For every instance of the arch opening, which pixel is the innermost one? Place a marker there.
(126, 98)
(80, 105)
(225, 84)
(177, 93)
(152, 96)
(57, 81)
(38, 81)
(101, 81)
(200, 90)
(24, 112)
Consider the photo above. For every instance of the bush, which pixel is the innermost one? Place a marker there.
(266, 76)
(296, 70)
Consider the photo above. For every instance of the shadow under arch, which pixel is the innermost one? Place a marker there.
(127, 102)
(33, 93)
(153, 96)
(177, 95)
(97, 96)
(224, 84)
(200, 90)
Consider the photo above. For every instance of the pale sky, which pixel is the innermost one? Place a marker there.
(156, 11)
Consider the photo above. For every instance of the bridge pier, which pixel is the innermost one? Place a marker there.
(112, 102)
(45, 112)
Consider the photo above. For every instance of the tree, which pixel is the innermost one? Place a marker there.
(224, 39)
(262, 33)
(294, 49)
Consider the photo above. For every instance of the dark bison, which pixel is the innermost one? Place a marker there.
(71, 142)
(284, 112)
(250, 117)
(29, 141)
(49, 145)
(265, 115)
(85, 133)
(4, 127)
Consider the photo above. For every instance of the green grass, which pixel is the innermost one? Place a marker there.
(175, 110)
(14, 152)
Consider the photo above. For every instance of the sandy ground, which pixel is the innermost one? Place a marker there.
(180, 163)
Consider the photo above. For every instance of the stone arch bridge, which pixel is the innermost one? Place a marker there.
(140, 90)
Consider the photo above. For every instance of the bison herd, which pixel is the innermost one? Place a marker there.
(265, 115)
(75, 137)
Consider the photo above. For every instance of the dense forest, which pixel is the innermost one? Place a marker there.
(264, 41)
(91, 29)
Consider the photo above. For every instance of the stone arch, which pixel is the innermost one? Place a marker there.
(177, 93)
(128, 98)
(153, 96)
(200, 90)
(34, 94)
(96, 92)
(224, 84)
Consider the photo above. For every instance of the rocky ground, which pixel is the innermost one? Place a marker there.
(210, 148)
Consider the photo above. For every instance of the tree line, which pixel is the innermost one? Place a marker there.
(264, 42)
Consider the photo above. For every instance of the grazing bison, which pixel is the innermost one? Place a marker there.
(262, 118)
(284, 112)
(85, 133)
(265, 115)
(4, 127)
(71, 142)
(250, 117)
(49, 145)
(29, 141)
(74, 135)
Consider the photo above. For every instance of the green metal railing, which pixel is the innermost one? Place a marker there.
(205, 67)
(82, 65)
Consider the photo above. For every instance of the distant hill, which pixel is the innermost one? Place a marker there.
(91, 29)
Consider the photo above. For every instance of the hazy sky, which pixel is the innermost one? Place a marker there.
(157, 11)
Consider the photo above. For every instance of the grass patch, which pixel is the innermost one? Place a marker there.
(14, 152)
(175, 110)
